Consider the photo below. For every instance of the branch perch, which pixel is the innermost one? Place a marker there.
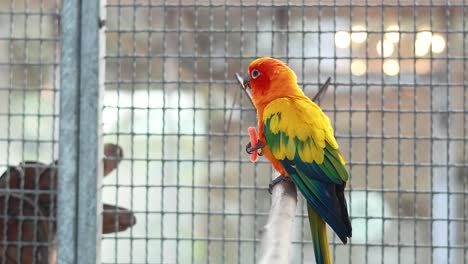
(276, 240)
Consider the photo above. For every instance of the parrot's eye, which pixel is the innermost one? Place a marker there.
(255, 73)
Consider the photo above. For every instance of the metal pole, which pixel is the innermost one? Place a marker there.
(90, 159)
(69, 130)
(80, 160)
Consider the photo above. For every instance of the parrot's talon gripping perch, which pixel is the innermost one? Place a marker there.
(276, 181)
(249, 149)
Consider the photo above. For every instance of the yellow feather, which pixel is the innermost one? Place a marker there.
(341, 159)
(320, 155)
(304, 120)
(305, 153)
(319, 137)
(302, 133)
(314, 150)
(331, 140)
(274, 124)
(282, 144)
(277, 152)
(291, 149)
(300, 150)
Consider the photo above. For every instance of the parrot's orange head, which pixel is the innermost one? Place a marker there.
(270, 79)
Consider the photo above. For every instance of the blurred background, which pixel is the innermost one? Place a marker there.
(398, 103)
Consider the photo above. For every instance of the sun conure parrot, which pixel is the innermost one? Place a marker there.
(297, 138)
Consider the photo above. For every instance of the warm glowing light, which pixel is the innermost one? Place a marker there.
(393, 35)
(391, 67)
(421, 47)
(358, 67)
(359, 35)
(438, 44)
(422, 43)
(387, 48)
(342, 39)
(424, 35)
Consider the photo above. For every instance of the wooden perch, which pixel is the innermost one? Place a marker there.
(276, 240)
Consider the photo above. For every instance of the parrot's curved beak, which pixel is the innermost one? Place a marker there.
(246, 82)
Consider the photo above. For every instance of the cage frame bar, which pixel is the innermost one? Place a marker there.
(79, 213)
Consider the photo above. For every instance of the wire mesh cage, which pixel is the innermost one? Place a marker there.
(398, 105)
(178, 121)
(29, 48)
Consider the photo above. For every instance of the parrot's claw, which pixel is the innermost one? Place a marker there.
(276, 181)
(249, 149)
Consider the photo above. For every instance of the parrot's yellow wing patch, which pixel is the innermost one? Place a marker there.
(297, 130)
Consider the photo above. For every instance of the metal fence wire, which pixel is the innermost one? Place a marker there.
(29, 57)
(397, 101)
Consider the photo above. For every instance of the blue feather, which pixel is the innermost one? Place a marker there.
(323, 198)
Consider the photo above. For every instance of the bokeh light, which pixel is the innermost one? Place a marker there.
(342, 39)
(392, 35)
(391, 67)
(359, 35)
(386, 49)
(438, 43)
(422, 43)
(358, 67)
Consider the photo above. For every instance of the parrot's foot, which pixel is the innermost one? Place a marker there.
(276, 181)
(249, 149)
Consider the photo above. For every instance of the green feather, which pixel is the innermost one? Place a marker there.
(333, 156)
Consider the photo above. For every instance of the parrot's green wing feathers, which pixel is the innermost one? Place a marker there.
(285, 147)
(300, 136)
